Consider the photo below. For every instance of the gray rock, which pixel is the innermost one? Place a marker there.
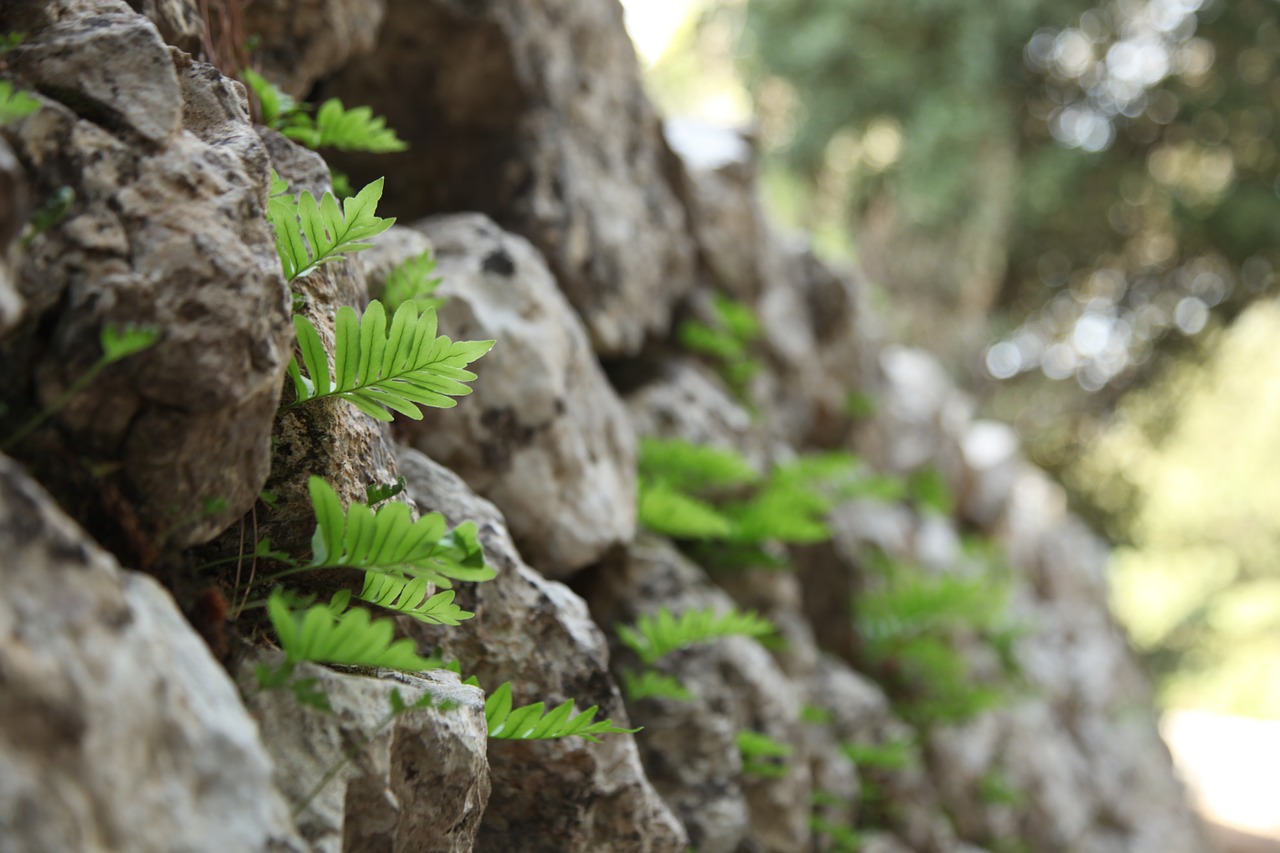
(689, 747)
(363, 779)
(543, 436)
(301, 41)
(118, 730)
(178, 22)
(534, 114)
(989, 450)
(561, 795)
(170, 184)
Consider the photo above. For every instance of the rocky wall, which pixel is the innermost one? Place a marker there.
(577, 231)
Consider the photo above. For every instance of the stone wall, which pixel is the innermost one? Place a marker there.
(575, 229)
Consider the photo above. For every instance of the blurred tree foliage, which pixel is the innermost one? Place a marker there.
(1083, 184)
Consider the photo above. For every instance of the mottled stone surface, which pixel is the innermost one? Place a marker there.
(543, 435)
(689, 746)
(534, 113)
(414, 781)
(562, 795)
(167, 229)
(118, 730)
(300, 41)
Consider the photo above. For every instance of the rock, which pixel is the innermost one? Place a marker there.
(178, 22)
(301, 41)
(989, 450)
(544, 436)
(689, 747)
(120, 731)
(534, 114)
(170, 186)
(562, 795)
(414, 781)
(13, 213)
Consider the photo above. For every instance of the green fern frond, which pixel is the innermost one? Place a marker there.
(334, 126)
(756, 749)
(409, 596)
(376, 369)
(892, 755)
(665, 510)
(654, 637)
(321, 635)
(529, 723)
(693, 467)
(413, 281)
(15, 103)
(390, 541)
(276, 105)
(651, 684)
(311, 233)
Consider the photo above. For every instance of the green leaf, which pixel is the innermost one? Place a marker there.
(310, 233)
(410, 597)
(413, 281)
(334, 126)
(654, 637)
(693, 467)
(15, 103)
(390, 542)
(653, 684)
(757, 748)
(321, 636)
(276, 105)
(119, 342)
(665, 510)
(380, 371)
(529, 722)
(377, 493)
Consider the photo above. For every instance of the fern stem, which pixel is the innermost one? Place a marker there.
(53, 408)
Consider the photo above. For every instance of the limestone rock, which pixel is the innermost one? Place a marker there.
(414, 781)
(167, 229)
(562, 795)
(301, 41)
(534, 114)
(543, 436)
(178, 22)
(120, 731)
(689, 747)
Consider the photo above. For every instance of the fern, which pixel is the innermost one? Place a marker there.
(651, 684)
(529, 722)
(329, 634)
(389, 541)
(757, 749)
(688, 466)
(413, 281)
(727, 340)
(654, 637)
(410, 597)
(333, 126)
(310, 233)
(15, 103)
(376, 369)
(663, 509)
(894, 755)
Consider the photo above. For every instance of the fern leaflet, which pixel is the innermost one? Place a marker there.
(410, 597)
(665, 510)
(654, 637)
(651, 684)
(529, 723)
(333, 127)
(311, 233)
(376, 369)
(389, 541)
(756, 749)
(413, 280)
(15, 103)
(325, 633)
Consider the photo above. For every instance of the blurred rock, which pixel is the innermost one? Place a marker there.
(120, 730)
(543, 436)
(534, 114)
(363, 779)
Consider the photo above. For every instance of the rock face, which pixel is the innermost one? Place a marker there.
(567, 230)
(120, 731)
(544, 436)
(167, 230)
(533, 113)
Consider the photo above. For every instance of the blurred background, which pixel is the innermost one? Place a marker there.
(1076, 204)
